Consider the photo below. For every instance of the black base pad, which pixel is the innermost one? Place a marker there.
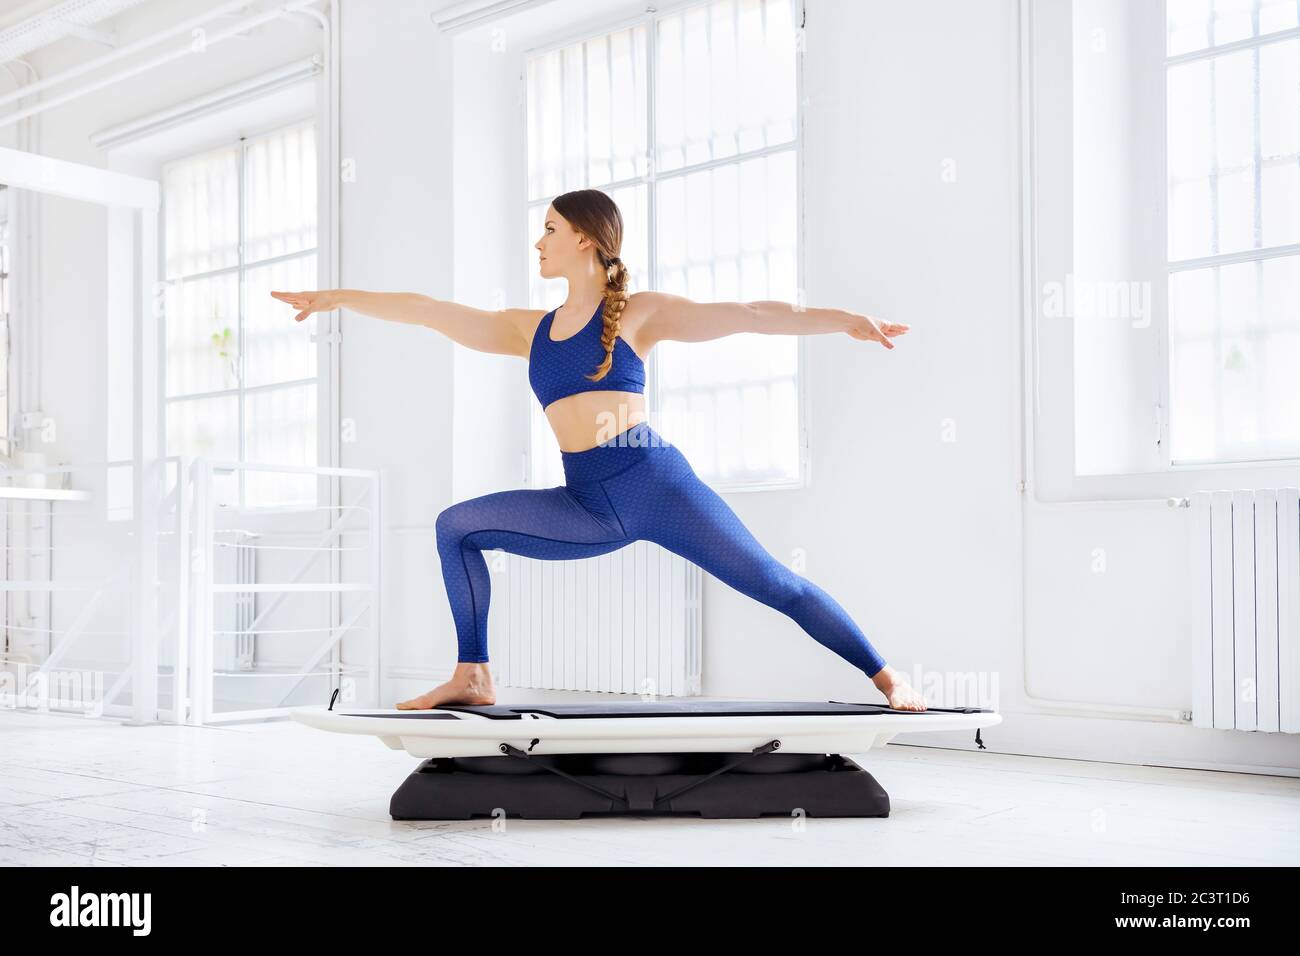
(814, 785)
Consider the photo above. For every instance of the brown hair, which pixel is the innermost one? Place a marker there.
(596, 216)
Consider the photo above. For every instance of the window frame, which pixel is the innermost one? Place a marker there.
(322, 337)
(1042, 418)
(649, 19)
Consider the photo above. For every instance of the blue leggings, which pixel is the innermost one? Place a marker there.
(634, 486)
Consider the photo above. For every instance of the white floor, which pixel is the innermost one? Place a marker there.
(78, 791)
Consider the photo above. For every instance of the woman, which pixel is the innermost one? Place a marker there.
(623, 481)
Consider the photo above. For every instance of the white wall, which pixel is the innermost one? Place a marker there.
(398, 233)
(490, 397)
(910, 195)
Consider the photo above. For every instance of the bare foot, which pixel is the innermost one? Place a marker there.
(470, 684)
(899, 692)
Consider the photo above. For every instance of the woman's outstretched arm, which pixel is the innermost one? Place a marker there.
(504, 332)
(680, 319)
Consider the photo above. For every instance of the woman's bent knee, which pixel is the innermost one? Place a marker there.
(452, 523)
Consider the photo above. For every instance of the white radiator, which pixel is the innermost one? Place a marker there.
(624, 622)
(234, 611)
(1246, 609)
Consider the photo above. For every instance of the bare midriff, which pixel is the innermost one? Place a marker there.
(587, 419)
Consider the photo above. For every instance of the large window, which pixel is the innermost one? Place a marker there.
(240, 374)
(1233, 166)
(688, 120)
(5, 447)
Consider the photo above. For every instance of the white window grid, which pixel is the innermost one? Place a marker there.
(639, 190)
(275, 490)
(1253, 17)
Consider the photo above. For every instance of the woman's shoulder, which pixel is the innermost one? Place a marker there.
(528, 321)
(640, 306)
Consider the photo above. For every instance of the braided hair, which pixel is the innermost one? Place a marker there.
(615, 302)
(597, 217)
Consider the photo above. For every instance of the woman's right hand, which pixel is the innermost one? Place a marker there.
(325, 300)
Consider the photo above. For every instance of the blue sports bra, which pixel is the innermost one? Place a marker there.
(559, 369)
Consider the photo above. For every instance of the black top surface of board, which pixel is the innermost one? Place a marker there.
(676, 707)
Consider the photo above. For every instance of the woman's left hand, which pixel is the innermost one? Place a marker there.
(868, 329)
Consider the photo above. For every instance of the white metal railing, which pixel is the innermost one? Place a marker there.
(47, 526)
(98, 561)
(302, 552)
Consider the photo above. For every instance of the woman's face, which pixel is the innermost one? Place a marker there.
(561, 249)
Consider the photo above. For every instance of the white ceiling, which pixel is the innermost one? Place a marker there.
(27, 25)
(14, 11)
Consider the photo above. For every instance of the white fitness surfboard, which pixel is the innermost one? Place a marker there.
(676, 725)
